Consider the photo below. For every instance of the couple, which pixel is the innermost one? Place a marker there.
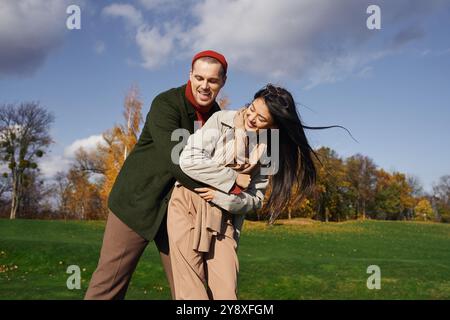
(196, 207)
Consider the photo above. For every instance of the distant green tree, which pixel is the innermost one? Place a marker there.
(361, 177)
(330, 201)
(393, 196)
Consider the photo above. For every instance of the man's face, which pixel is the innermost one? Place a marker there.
(206, 81)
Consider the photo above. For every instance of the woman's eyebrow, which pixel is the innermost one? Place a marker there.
(257, 112)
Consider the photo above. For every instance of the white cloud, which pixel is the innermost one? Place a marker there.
(316, 41)
(155, 43)
(87, 144)
(154, 46)
(126, 11)
(435, 53)
(50, 164)
(155, 4)
(320, 41)
(366, 72)
(29, 31)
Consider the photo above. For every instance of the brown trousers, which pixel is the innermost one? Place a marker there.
(198, 275)
(121, 250)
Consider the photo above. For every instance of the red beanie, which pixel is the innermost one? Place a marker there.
(212, 54)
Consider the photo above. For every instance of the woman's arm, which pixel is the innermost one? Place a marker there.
(247, 201)
(196, 157)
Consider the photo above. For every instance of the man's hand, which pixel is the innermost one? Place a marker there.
(206, 193)
(243, 180)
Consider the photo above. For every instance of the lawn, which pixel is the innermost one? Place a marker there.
(298, 259)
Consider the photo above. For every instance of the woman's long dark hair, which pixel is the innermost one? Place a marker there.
(296, 173)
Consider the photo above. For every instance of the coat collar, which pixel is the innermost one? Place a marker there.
(191, 110)
(227, 118)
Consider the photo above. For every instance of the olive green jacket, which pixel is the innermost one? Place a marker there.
(141, 192)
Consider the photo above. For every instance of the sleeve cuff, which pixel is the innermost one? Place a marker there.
(236, 189)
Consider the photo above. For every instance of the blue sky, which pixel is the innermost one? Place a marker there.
(389, 87)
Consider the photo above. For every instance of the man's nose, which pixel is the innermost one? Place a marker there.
(205, 85)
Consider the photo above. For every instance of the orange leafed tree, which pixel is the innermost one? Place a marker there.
(120, 140)
(224, 102)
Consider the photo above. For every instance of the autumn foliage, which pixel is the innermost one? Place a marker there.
(84, 190)
(346, 188)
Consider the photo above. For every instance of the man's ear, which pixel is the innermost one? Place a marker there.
(224, 80)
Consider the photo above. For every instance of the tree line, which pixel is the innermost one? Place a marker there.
(347, 188)
(356, 188)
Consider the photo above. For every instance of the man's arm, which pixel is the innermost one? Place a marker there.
(163, 119)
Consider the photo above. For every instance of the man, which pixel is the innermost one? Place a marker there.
(139, 198)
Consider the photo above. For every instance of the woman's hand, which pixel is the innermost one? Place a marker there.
(206, 193)
(243, 180)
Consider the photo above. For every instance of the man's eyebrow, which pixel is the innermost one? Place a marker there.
(213, 78)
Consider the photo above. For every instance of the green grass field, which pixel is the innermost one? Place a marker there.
(300, 259)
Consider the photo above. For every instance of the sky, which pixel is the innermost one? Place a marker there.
(388, 86)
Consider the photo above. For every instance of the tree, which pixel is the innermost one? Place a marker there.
(224, 102)
(416, 186)
(62, 191)
(93, 173)
(120, 141)
(393, 195)
(361, 176)
(330, 190)
(424, 210)
(81, 196)
(417, 192)
(441, 195)
(5, 191)
(36, 194)
(90, 162)
(24, 136)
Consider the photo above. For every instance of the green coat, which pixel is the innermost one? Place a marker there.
(141, 192)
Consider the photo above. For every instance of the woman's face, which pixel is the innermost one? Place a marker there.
(257, 116)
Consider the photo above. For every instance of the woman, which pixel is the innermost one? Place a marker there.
(204, 227)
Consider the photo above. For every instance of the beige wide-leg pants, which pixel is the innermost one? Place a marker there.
(200, 275)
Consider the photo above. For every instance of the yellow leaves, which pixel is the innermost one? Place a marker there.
(5, 268)
(424, 210)
(120, 140)
(91, 179)
(224, 102)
